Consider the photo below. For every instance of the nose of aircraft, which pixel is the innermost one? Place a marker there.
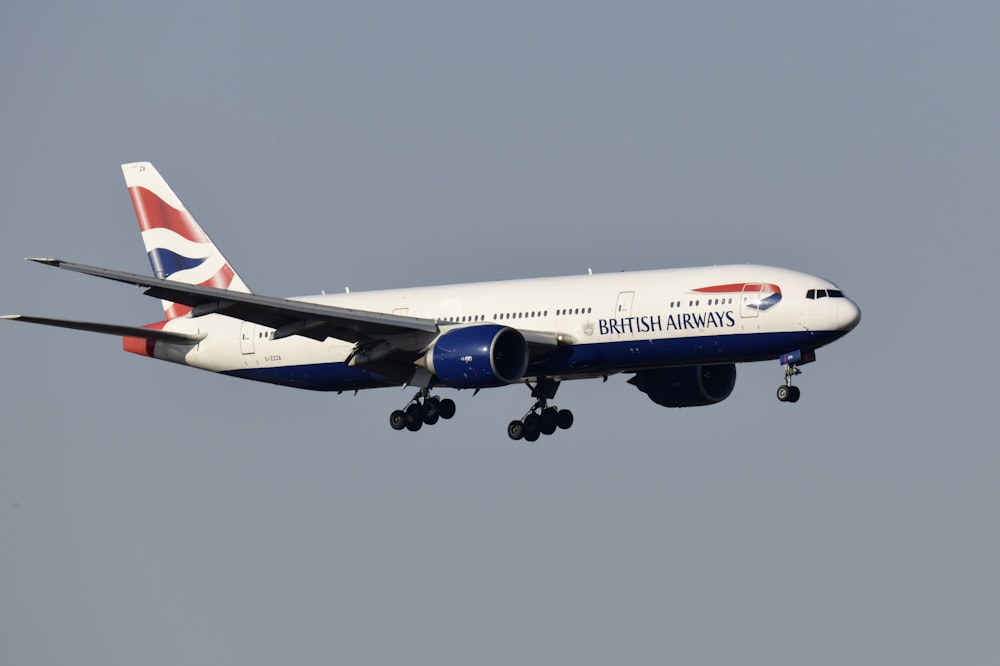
(848, 314)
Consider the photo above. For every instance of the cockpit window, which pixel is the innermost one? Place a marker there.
(824, 293)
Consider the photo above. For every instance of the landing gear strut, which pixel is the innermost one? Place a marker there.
(540, 419)
(423, 408)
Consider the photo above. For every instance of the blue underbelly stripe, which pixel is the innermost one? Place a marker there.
(610, 357)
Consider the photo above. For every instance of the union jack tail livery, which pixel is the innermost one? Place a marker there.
(177, 246)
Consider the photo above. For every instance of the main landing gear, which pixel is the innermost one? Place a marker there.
(423, 408)
(540, 419)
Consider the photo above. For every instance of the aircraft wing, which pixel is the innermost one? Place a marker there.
(288, 317)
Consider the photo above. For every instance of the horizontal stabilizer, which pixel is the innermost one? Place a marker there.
(113, 329)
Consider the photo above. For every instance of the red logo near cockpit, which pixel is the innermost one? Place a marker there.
(763, 295)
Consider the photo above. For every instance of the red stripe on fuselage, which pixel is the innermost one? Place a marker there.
(738, 287)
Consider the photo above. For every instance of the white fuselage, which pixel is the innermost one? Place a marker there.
(615, 322)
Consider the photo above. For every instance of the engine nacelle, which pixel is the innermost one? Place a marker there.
(479, 356)
(690, 386)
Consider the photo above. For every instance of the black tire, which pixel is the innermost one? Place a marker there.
(564, 419)
(547, 421)
(414, 414)
(432, 410)
(531, 425)
(446, 408)
(795, 394)
(414, 426)
(397, 419)
(531, 436)
(783, 393)
(431, 420)
(515, 430)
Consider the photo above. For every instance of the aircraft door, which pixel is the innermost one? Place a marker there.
(623, 310)
(246, 337)
(749, 302)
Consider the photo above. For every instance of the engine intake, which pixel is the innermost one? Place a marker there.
(689, 386)
(479, 356)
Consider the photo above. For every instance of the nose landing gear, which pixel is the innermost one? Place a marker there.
(792, 360)
(541, 419)
(424, 408)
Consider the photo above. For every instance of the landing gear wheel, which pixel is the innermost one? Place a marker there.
(414, 417)
(432, 409)
(789, 393)
(515, 430)
(397, 419)
(564, 419)
(414, 413)
(532, 424)
(547, 421)
(446, 408)
(531, 436)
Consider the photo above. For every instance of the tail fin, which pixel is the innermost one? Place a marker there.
(177, 246)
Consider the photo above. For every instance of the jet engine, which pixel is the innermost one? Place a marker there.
(478, 356)
(689, 386)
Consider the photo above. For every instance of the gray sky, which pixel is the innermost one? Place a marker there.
(154, 514)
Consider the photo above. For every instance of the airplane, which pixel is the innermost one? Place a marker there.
(678, 332)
